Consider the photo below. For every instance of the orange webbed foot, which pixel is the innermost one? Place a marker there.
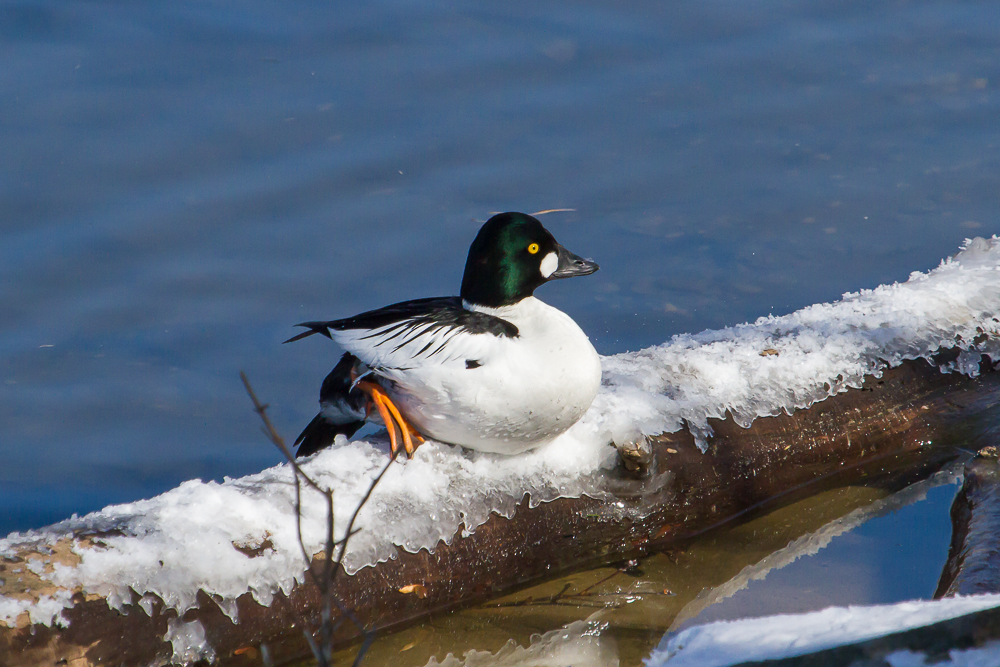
(392, 418)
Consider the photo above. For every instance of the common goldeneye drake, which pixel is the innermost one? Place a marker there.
(493, 369)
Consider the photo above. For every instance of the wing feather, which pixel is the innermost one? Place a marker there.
(395, 338)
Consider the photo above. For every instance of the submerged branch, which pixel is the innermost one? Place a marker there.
(973, 565)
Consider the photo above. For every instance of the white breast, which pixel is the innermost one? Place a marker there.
(525, 391)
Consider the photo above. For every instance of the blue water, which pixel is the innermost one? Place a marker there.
(181, 182)
(892, 557)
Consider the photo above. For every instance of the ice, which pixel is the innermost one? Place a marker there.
(188, 642)
(580, 644)
(786, 635)
(238, 535)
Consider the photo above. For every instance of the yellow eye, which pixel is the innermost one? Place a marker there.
(533, 248)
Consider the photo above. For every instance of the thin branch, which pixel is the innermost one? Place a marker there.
(357, 510)
(331, 567)
(273, 435)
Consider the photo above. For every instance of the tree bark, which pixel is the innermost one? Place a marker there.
(902, 424)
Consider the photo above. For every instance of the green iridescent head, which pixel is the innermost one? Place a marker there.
(512, 255)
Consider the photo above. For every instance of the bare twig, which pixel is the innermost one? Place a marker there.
(364, 499)
(325, 579)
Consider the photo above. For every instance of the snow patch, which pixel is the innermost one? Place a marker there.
(11, 608)
(46, 611)
(787, 363)
(786, 635)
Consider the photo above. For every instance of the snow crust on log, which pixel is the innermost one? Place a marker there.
(820, 350)
(239, 535)
(786, 635)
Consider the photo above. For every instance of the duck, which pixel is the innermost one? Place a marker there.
(493, 369)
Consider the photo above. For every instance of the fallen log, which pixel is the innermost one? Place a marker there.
(905, 422)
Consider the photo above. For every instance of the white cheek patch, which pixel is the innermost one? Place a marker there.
(549, 264)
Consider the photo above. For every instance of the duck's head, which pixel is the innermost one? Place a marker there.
(512, 255)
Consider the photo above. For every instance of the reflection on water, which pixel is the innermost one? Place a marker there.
(856, 559)
(580, 643)
(850, 545)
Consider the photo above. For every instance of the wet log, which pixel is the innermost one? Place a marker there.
(904, 425)
(973, 564)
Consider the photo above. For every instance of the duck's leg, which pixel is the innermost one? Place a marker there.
(409, 433)
(375, 398)
(391, 416)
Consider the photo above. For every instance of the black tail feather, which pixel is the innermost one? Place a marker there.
(320, 434)
(340, 400)
(314, 328)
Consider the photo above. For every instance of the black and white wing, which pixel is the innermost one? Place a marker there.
(436, 330)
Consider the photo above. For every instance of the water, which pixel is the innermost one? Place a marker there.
(851, 545)
(182, 182)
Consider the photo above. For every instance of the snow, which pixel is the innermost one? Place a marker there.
(822, 350)
(238, 535)
(46, 610)
(786, 635)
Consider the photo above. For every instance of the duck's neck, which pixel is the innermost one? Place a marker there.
(505, 311)
(493, 283)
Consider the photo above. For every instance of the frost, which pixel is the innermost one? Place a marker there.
(211, 536)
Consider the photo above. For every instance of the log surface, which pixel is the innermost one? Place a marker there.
(908, 422)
